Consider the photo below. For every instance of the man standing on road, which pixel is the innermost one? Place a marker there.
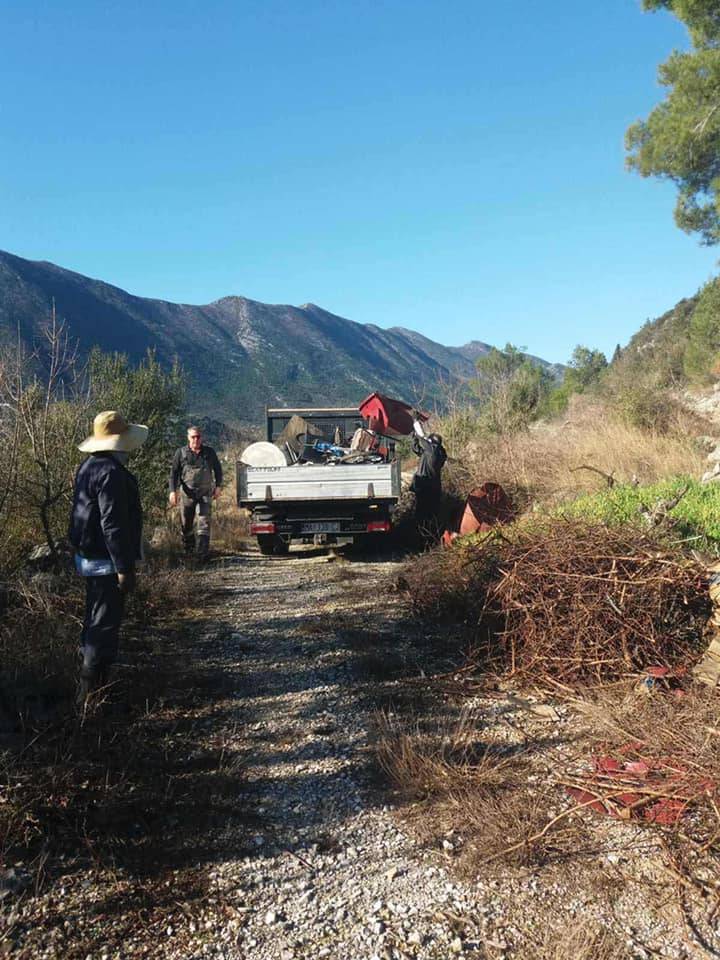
(106, 532)
(195, 481)
(427, 481)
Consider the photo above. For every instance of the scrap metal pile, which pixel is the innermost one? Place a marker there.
(380, 421)
(570, 602)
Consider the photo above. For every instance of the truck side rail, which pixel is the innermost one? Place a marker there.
(308, 482)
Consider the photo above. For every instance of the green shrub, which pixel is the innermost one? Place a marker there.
(642, 403)
(511, 388)
(696, 518)
(42, 420)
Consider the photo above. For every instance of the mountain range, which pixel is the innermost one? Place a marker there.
(240, 355)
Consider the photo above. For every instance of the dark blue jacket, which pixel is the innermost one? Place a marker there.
(432, 460)
(106, 518)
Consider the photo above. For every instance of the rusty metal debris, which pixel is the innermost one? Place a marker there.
(485, 507)
(631, 785)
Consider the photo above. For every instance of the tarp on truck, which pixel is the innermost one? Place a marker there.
(391, 418)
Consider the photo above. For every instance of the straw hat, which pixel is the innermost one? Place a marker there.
(111, 431)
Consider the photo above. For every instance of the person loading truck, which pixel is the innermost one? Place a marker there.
(427, 481)
(195, 481)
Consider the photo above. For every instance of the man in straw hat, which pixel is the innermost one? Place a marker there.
(106, 532)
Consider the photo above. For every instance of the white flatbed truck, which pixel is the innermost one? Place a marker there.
(332, 503)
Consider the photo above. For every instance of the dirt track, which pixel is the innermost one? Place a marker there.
(329, 872)
(244, 816)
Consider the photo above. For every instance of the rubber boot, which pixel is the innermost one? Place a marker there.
(90, 681)
(203, 546)
(84, 690)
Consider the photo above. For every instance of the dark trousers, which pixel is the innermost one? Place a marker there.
(101, 626)
(190, 508)
(428, 496)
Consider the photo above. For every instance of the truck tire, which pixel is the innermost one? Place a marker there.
(273, 544)
(266, 542)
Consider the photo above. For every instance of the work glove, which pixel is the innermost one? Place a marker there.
(172, 499)
(126, 582)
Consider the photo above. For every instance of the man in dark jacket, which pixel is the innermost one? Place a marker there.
(427, 481)
(106, 532)
(195, 481)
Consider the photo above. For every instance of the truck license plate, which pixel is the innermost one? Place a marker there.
(327, 527)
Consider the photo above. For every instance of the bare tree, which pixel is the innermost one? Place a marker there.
(43, 417)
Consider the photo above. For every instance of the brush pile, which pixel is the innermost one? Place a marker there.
(570, 602)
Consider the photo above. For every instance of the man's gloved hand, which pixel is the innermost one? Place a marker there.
(126, 582)
(172, 499)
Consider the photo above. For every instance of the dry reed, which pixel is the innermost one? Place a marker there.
(537, 466)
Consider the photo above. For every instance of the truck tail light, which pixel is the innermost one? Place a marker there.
(378, 526)
(256, 528)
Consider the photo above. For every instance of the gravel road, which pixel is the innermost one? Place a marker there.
(332, 874)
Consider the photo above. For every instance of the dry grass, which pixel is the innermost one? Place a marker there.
(440, 757)
(580, 942)
(112, 792)
(498, 810)
(561, 603)
(39, 634)
(229, 534)
(679, 730)
(537, 466)
(479, 793)
(43, 762)
(231, 525)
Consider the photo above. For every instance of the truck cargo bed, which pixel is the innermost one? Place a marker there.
(308, 482)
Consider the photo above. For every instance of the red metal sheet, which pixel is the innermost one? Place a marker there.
(389, 417)
(674, 786)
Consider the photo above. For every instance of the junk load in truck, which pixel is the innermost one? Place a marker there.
(333, 476)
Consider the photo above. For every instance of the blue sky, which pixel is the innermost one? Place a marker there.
(454, 167)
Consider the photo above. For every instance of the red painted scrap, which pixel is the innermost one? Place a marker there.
(391, 418)
(654, 790)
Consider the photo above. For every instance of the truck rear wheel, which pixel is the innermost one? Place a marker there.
(273, 544)
(282, 545)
